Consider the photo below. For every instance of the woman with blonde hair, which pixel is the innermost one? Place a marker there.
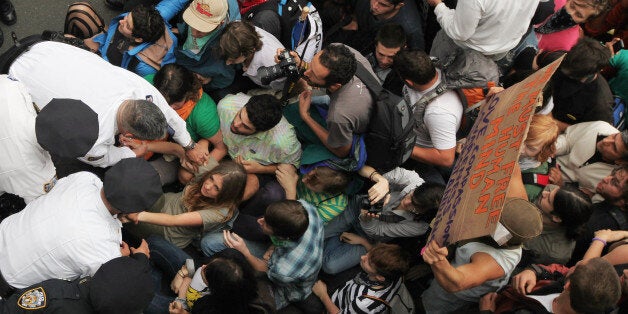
(207, 204)
(538, 147)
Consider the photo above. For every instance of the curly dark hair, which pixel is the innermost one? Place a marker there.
(148, 24)
(340, 62)
(264, 111)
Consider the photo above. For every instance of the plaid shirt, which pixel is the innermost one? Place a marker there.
(293, 268)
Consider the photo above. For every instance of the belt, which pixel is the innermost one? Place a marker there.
(6, 290)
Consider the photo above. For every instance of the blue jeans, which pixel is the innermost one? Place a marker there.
(529, 41)
(339, 256)
(213, 243)
(166, 259)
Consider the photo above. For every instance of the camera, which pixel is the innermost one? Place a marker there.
(375, 208)
(287, 67)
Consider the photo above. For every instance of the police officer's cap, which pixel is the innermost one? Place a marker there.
(132, 185)
(67, 128)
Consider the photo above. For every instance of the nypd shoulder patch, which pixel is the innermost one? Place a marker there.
(32, 299)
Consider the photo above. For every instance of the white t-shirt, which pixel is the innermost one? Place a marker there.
(265, 57)
(488, 26)
(65, 234)
(442, 117)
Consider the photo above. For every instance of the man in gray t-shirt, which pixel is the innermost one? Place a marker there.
(333, 68)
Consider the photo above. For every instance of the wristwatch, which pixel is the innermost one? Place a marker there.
(190, 146)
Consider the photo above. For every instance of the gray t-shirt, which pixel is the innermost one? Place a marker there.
(349, 108)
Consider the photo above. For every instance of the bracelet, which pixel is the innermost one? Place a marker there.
(598, 239)
(371, 175)
(180, 273)
(190, 146)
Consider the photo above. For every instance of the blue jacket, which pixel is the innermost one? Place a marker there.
(207, 63)
(168, 9)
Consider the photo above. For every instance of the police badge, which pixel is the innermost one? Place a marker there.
(33, 299)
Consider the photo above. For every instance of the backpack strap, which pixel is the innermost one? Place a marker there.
(420, 105)
(368, 79)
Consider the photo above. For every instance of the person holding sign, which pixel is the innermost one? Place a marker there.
(480, 265)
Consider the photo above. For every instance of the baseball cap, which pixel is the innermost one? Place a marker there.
(66, 127)
(206, 15)
(132, 185)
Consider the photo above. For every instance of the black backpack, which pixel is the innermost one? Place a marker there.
(390, 136)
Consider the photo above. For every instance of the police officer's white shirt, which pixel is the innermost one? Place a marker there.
(25, 167)
(65, 234)
(56, 70)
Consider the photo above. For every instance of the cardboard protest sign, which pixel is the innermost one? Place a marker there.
(477, 188)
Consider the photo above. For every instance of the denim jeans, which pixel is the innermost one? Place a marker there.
(213, 243)
(166, 259)
(339, 256)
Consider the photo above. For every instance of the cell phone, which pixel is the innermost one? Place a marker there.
(618, 46)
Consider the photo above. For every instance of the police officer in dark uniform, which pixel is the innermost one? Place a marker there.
(121, 285)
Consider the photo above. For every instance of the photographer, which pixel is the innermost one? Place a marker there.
(401, 214)
(349, 107)
(254, 48)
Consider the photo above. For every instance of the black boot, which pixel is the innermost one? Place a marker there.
(7, 13)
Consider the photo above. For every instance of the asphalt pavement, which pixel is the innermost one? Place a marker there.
(35, 16)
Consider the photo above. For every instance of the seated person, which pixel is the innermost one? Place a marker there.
(588, 152)
(230, 278)
(437, 121)
(206, 205)
(580, 93)
(322, 187)
(259, 138)
(253, 47)
(578, 294)
(373, 288)
(619, 62)
(183, 93)
(608, 214)
(480, 266)
(140, 41)
(293, 261)
(559, 289)
(121, 285)
(565, 210)
(199, 36)
(348, 111)
(539, 145)
(343, 249)
(388, 41)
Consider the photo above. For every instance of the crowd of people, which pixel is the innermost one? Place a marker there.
(208, 156)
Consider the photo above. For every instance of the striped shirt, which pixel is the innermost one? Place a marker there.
(278, 145)
(352, 297)
(327, 205)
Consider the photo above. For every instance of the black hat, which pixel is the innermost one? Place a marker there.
(132, 185)
(67, 128)
(122, 285)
